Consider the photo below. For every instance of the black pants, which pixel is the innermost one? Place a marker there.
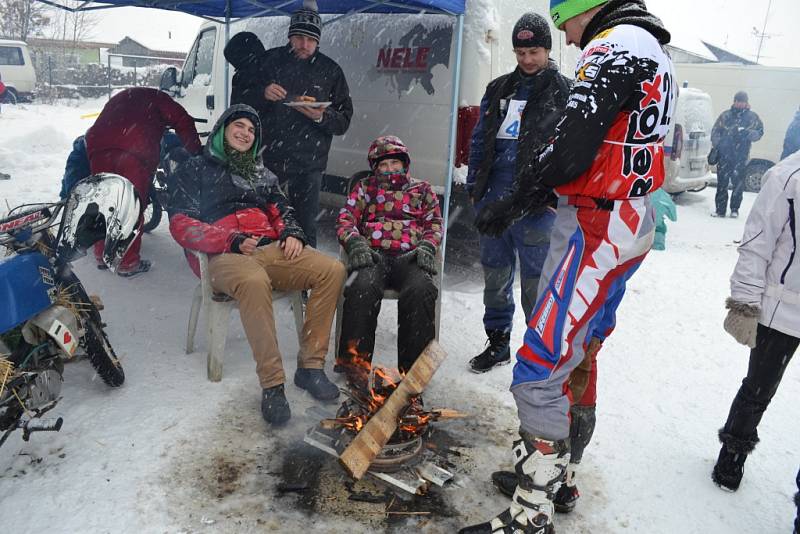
(729, 171)
(415, 309)
(304, 198)
(768, 361)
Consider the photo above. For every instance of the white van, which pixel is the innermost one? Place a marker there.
(689, 142)
(16, 71)
(774, 94)
(399, 69)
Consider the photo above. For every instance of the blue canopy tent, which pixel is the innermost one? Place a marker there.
(225, 11)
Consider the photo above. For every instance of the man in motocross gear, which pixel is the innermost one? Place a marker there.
(607, 156)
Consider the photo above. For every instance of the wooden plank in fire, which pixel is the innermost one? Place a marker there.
(358, 456)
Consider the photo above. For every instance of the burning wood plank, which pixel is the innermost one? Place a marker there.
(358, 456)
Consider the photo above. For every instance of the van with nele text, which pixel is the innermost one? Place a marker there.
(399, 69)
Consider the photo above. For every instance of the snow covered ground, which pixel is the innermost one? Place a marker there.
(172, 452)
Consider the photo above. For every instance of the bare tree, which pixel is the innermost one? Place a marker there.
(22, 18)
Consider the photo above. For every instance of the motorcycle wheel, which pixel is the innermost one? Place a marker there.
(152, 213)
(101, 354)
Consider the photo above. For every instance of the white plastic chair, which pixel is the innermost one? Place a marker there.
(218, 308)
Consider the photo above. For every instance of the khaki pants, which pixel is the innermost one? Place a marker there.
(251, 279)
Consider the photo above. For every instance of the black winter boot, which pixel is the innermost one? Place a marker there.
(729, 469)
(274, 406)
(497, 352)
(315, 382)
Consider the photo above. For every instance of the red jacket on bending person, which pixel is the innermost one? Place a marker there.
(125, 139)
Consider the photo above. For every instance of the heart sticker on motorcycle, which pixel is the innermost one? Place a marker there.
(67, 338)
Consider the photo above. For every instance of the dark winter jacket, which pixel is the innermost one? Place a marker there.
(134, 120)
(734, 132)
(511, 160)
(609, 143)
(294, 143)
(393, 213)
(77, 166)
(791, 143)
(210, 206)
(244, 52)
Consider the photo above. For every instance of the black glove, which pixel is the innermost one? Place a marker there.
(359, 254)
(426, 256)
(497, 216)
(237, 241)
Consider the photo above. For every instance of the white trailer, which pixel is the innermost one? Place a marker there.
(774, 94)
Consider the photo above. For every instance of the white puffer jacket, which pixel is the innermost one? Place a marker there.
(768, 271)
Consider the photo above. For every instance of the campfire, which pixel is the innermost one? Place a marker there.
(368, 388)
(381, 425)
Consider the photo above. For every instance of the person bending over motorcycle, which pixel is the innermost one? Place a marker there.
(226, 205)
(125, 140)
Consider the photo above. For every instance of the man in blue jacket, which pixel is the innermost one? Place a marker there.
(519, 113)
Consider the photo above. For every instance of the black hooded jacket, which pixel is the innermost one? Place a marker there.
(547, 98)
(294, 144)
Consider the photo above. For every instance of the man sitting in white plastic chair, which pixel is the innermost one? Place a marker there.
(224, 204)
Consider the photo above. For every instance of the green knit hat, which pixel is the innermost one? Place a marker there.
(563, 10)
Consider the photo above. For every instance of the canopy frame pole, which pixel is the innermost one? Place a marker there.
(451, 153)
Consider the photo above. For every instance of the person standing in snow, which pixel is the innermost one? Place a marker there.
(734, 131)
(605, 160)
(519, 113)
(126, 140)
(297, 139)
(791, 142)
(390, 227)
(226, 205)
(763, 312)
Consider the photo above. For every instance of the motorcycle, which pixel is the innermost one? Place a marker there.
(47, 316)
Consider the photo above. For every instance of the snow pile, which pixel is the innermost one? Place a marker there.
(171, 452)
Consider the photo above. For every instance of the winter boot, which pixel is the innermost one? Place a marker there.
(498, 352)
(315, 382)
(274, 406)
(729, 469)
(540, 465)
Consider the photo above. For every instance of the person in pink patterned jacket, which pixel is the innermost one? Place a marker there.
(390, 227)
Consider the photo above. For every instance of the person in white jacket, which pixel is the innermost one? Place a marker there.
(764, 312)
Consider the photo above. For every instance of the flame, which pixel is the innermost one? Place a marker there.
(369, 388)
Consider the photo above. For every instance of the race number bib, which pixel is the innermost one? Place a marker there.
(510, 127)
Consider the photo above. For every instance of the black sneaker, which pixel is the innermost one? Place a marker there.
(274, 406)
(505, 482)
(315, 382)
(497, 352)
(566, 498)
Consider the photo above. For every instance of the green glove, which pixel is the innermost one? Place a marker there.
(359, 254)
(426, 257)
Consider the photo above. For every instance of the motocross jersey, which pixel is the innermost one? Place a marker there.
(610, 141)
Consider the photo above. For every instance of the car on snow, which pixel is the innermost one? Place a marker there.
(689, 142)
(16, 71)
